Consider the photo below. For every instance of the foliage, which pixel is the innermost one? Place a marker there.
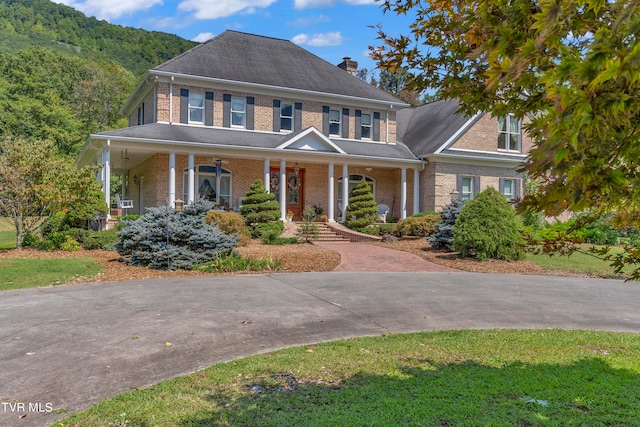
(362, 209)
(421, 225)
(168, 240)
(396, 83)
(90, 239)
(35, 181)
(259, 207)
(488, 228)
(442, 238)
(570, 67)
(231, 263)
(274, 239)
(56, 26)
(308, 229)
(54, 96)
(231, 223)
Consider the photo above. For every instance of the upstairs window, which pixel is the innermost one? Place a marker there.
(238, 112)
(334, 122)
(509, 133)
(365, 124)
(196, 107)
(286, 117)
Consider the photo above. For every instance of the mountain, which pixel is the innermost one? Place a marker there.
(26, 23)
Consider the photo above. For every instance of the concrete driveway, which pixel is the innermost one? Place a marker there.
(72, 346)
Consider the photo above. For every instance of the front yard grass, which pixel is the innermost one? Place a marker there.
(578, 262)
(7, 234)
(449, 378)
(18, 273)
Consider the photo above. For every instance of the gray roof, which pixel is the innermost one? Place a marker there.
(235, 138)
(263, 60)
(426, 128)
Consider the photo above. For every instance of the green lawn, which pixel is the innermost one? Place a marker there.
(578, 262)
(17, 273)
(7, 234)
(451, 378)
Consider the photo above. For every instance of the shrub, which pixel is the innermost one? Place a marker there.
(227, 264)
(372, 230)
(387, 228)
(95, 239)
(31, 240)
(273, 239)
(70, 245)
(259, 207)
(420, 225)
(308, 229)
(230, 223)
(260, 230)
(442, 237)
(362, 209)
(166, 239)
(488, 227)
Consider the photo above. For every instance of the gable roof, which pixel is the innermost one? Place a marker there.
(242, 57)
(427, 128)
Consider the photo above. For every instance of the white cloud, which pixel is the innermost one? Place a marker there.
(110, 9)
(319, 39)
(306, 4)
(203, 37)
(309, 20)
(212, 9)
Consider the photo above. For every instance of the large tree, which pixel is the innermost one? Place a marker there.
(572, 67)
(36, 181)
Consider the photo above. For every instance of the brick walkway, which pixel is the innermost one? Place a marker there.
(364, 257)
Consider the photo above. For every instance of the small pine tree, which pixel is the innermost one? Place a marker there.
(362, 210)
(442, 237)
(488, 228)
(259, 206)
(167, 240)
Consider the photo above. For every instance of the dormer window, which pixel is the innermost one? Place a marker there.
(286, 117)
(196, 107)
(238, 112)
(334, 122)
(509, 130)
(365, 124)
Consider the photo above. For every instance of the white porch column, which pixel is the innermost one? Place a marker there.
(172, 179)
(331, 193)
(283, 190)
(416, 191)
(106, 166)
(403, 194)
(191, 181)
(345, 191)
(267, 175)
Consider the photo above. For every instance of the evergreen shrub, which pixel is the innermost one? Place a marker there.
(167, 240)
(230, 223)
(420, 225)
(442, 238)
(362, 209)
(260, 207)
(488, 228)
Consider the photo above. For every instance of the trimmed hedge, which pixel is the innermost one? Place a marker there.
(362, 209)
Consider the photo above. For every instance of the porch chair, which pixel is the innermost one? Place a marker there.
(237, 208)
(383, 210)
(123, 204)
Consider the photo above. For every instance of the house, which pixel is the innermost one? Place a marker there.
(242, 107)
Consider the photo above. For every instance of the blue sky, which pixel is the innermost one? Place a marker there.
(331, 29)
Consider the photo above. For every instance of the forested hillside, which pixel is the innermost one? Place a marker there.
(45, 23)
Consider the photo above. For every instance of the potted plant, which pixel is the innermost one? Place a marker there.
(289, 216)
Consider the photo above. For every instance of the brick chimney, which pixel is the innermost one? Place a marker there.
(348, 65)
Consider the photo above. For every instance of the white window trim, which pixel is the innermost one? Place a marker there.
(471, 183)
(370, 126)
(371, 181)
(338, 122)
(513, 188)
(282, 105)
(196, 178)
(243, 112)
(191, 107)
(508, 133)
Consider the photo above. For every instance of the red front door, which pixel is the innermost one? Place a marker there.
(294, 194)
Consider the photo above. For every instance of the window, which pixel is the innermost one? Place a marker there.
(286, 117)
(207, 186)
(238, 112)
(334, 122)
(509, 189)
(365, 123)
(196, 107)
(354, 180)
(509, 133)
(467, 188)
(141, 114)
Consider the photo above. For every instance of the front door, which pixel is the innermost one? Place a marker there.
(294, 190)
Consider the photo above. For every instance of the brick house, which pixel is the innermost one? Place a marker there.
(241, 107)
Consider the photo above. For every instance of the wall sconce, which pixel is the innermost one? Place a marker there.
(136, 180)
(455, 195)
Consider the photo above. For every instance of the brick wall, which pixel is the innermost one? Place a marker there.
(483, 136)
